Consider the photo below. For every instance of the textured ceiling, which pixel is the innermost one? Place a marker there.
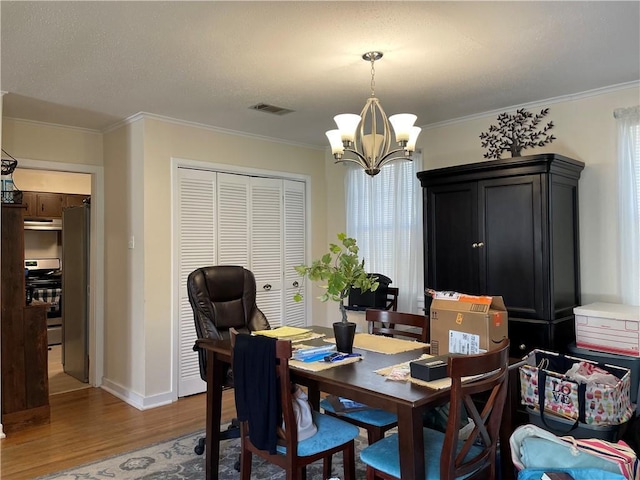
(92, 64)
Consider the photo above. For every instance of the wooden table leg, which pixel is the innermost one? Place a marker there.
(214, 411)
(411, 442)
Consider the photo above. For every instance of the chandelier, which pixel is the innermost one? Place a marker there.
(368, 135)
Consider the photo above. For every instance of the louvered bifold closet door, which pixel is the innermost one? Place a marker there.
(196, 237)
(294, 250)
(267, 246)
(233, 219)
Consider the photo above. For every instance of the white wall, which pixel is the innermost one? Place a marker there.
(586, 131)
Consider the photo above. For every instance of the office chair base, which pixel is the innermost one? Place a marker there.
(232, 431)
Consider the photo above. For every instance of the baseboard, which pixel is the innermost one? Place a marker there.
(135, 400)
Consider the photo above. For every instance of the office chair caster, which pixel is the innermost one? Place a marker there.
(199, 448)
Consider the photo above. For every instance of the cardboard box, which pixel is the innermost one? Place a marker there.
(608, 327)
(467, 324)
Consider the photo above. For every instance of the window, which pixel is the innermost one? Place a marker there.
(629, 203)
(384, 214)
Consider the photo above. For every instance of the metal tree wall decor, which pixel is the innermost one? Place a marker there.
(514, 133)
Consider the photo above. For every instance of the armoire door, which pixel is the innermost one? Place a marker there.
(450, 234)
(509, 245)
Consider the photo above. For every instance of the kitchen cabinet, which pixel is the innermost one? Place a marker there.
(509, 227)
(48, 204)
(74, 200)
(29, 201)
(25, 384)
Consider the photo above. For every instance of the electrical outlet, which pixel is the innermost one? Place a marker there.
(132, 242)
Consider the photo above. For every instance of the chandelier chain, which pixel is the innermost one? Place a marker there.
(373, 77)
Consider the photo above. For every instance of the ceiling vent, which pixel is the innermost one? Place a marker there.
(263, 107)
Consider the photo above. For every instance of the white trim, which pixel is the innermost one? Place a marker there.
(96, 306)
(135, 400)
(187, 123)
(176, 163)
(230, 168)
(54, 125)
(536, 104)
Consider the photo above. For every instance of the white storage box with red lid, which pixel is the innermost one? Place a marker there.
(608, 327)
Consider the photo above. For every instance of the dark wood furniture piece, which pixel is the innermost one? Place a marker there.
(357, 381)
(385, 322)
(448, 456)
(337, 436)
(392, 299)
(25, 383)
(509, 227)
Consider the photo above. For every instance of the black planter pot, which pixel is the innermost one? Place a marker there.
(344, 333)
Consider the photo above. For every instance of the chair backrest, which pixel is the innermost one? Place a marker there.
(386, 322)
(287, 436)
(223, 297)
(491, 387)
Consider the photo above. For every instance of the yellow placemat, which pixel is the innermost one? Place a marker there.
(318, 366)
(403, 370)
(382, 344)
(295, 334)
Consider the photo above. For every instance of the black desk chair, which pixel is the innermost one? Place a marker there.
(223, 297)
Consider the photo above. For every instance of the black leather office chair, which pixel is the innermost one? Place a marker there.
(223, 297)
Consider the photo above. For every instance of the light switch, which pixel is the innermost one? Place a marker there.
(132, 242)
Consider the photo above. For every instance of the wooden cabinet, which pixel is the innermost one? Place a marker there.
(74, 200)
(509, 227)
(29, 201)
(49, 205)
(25, 384)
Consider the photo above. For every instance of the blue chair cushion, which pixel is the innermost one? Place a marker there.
(384, 455)
(331, 433)
(372, 416)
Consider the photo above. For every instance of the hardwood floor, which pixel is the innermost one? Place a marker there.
(91, 424)
(60, 382)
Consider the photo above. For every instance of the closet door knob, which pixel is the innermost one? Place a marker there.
(267, 287)
(296, 284)
(474, 245)
(480, 244)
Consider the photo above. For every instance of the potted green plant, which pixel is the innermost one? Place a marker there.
(341, 270)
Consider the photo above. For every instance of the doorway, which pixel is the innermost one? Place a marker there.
(51, 173)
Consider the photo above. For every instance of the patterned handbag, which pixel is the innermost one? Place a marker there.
(544, 385)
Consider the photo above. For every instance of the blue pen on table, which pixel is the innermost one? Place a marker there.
(337, 356)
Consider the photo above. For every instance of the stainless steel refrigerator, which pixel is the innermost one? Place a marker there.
(75, 291)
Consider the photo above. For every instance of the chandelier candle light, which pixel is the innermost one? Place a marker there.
(373, 147)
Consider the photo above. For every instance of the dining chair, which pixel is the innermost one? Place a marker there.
(264, 403)
(389, 323)
(446, 455)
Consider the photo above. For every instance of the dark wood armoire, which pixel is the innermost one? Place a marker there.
(509, 227)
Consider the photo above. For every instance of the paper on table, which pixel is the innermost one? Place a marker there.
(286, 333)
(382, 344)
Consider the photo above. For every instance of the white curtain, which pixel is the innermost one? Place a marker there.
(628, 120)
(384, 215)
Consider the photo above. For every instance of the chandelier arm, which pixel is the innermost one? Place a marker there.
(385, 159)
(360, 156)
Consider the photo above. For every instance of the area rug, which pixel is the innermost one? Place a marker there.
(175, 460)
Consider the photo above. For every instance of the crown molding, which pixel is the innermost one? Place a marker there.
(536, 104)
(186, 123)
(54, 125)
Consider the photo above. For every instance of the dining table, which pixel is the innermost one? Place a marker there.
(358, 381)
